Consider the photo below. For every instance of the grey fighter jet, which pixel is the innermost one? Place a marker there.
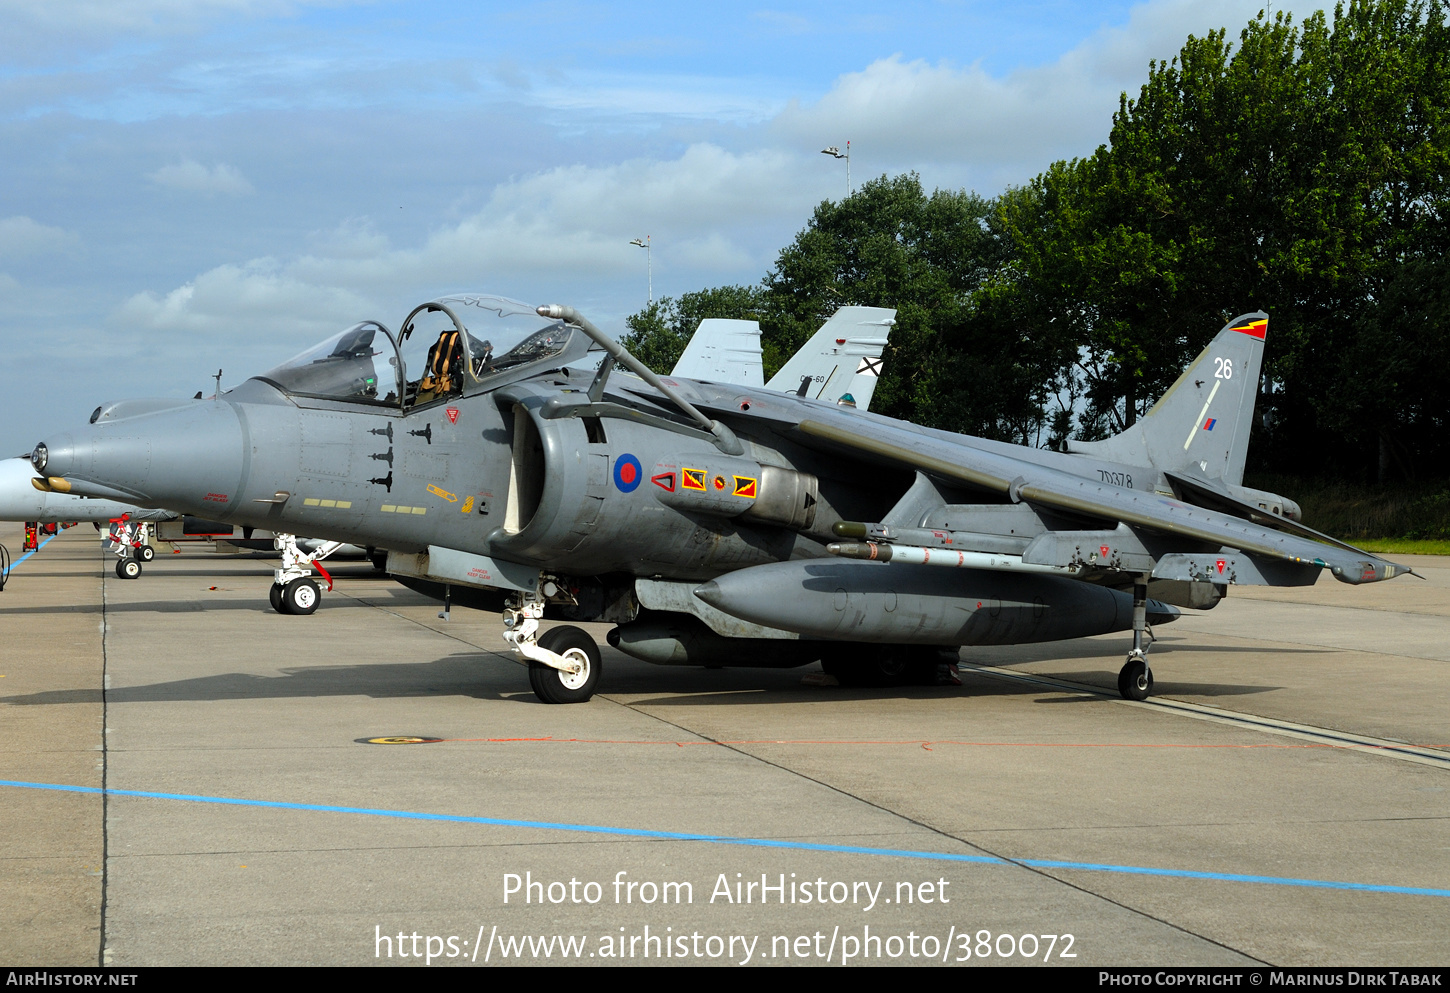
(713, 524)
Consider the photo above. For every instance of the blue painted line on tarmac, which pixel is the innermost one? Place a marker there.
(27, 555)
(716, 839)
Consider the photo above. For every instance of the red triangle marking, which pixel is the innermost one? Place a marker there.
(665, 481)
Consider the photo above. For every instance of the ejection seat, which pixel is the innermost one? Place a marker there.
(443, 372)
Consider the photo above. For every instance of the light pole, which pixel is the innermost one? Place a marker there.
(648, 266)
(836, 153)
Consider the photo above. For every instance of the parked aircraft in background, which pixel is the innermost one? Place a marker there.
(840, 363)
(27, 497)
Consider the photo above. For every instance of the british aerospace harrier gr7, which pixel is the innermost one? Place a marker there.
(712, 523)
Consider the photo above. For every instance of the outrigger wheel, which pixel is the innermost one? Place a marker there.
(556, 686)
(128, 568)
(1135, 679)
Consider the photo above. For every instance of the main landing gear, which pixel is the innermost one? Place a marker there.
(882, 665)
(293, 592)
(564, 662)
(1135, 679)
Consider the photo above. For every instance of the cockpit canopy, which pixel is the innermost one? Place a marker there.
(420, 365)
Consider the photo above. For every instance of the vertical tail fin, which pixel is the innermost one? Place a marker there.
(843, 357)
(1203, 420)
(723, 351)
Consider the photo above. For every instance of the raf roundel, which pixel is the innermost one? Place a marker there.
(628, 473)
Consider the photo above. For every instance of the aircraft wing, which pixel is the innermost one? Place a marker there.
(1212, 496)
(1041, 486)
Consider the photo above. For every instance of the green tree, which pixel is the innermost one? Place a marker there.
(951, 363)
(1299, 173)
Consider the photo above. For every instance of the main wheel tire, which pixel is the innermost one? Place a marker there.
(1135, 680)
(301, 597)
(145, 553)
(881, 665)
(850, 664)
(379, 558)
(275, 596)
(128, 568)
(553, 686)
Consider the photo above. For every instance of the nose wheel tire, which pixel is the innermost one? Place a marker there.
(128, 568)
(1135, 680)
(145, 553)
(555, 686)
(301, 597)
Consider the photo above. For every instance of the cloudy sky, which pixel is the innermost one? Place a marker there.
(194, 184)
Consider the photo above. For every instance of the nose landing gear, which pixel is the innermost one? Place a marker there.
(300, 597)
(131, 542)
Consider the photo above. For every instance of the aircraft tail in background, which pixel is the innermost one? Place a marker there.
(723, 351)
(842, 358)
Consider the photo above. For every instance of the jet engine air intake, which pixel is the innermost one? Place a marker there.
(526, 473)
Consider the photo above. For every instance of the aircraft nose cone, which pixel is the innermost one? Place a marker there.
(187, 458)
(55, 456)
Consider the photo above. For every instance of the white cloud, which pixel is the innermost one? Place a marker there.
(567, 226)
(193, 177)
(785, 23)
(1006, 129)
(354, 238)
(256, 299)
(20, 237)
(715, 215)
